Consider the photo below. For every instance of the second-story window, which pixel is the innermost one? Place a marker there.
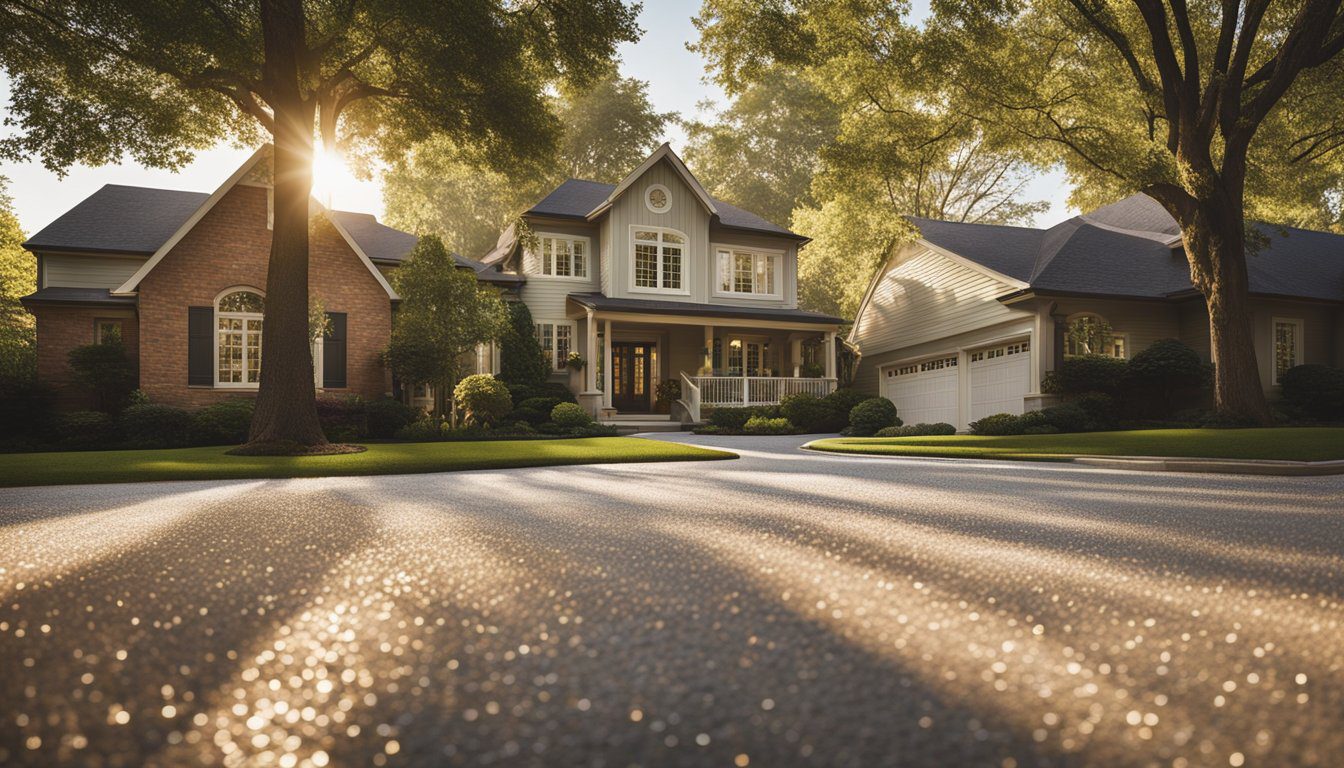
(560, 256)
(748, 272)
(660, 260)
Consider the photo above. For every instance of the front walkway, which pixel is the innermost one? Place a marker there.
(783, 609)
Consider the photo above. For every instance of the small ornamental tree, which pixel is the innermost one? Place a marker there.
(444, 315)
(520, 358)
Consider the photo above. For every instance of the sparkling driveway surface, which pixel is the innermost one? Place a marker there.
(783, 609)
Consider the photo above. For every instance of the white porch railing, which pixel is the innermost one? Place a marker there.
(750, 390)
(690, 397)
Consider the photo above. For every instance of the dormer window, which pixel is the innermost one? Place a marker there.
(660, 260)
(658, 198)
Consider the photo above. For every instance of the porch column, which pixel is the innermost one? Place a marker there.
(590, 371)
(606, 368)
(796, 352)
(830, 354)
(707, 366)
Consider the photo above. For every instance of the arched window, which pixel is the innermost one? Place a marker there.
(1092, 335)
(238, 317)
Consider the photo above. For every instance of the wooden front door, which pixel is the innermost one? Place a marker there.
(631, 375)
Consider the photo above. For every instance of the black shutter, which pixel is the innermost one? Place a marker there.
(333, 352)
(200, 346)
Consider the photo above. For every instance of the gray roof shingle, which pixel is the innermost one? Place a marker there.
(600, 301)
(119, 219)
(576, 198)
(1125, 249)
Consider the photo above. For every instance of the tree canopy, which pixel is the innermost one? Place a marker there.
(153, 80)
(18, 278)
(441, 187)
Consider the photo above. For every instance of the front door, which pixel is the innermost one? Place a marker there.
(631, 371)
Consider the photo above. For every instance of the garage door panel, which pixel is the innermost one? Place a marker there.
(924, 392)
(999, 379)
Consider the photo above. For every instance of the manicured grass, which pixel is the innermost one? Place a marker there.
(380, 459)
(1284, 443)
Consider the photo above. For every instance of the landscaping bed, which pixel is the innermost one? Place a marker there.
(1273, 443)
(213, 463)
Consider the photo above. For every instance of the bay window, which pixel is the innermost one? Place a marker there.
(748, 273)
(660, 260)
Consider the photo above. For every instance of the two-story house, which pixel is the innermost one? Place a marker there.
(652, 280)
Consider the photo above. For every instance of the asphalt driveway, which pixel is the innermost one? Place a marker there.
(782, 609)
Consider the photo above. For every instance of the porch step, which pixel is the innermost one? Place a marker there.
(630, 423)
(641, 417)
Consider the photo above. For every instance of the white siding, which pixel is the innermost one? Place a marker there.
(924, 296)
(788, 263)
(686, 215)
(78, 271)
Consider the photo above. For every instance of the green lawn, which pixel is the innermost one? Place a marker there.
(1287, 443)
(380, 459)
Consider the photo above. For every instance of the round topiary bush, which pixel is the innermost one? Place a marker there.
(224, 423)
(1164, 377)
(1314, 391)
(570, 416)
(483, 399)
(872, 414)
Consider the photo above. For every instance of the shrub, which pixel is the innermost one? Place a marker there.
(1089, 373)
(843, 401)
(543, 405)
(666, 393)
(918, 430)
(106, 371)
(871, 415)
(1100, 409)
(551, 389)
(224, 423)
(998, 424)
(155, 426)
(759, 425)
(809, 413)
(483, 398)
(520, 359)
(1041, 429)
(25, 408)
(386, 415)
(84, 430)
(528, 416)
(570, 416)
(707, 429)
(1164, 377)
(343, 418)
(1314, 391)
(1066, 418)
(731, 418)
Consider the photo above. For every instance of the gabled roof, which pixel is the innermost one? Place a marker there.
(1132, 249)
(584, 199)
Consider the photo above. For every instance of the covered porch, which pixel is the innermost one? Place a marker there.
(696, 356)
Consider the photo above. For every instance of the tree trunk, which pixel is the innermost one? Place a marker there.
(1216, 247)
(286, 408)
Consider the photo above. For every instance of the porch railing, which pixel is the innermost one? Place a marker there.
(690, 397)
(752, 390)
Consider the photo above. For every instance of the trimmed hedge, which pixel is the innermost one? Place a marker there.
(810, 413)
(343, 417)
(570, 416)
(224, 423)
(85, 430)
(148, 425)
(1088, 373)
(1314, 391)
(918, 430)
(760, 425)
(385, 416)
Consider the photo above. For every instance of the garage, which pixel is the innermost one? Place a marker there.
(924, 392)
(1000, 378)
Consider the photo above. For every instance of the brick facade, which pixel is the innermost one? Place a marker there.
(61, 329)
(228, 247)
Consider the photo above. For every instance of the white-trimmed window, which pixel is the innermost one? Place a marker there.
(563, 256)
(744, 272)
(660, 260)
(1089, 334)
(557, 341)
(238, 317)
(1287, 345)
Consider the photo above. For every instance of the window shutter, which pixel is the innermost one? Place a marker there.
(333, 352)
(200, 346)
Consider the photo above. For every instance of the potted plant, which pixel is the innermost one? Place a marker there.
(666, 393)
(575, 362)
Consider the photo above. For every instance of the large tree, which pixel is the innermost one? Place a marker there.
(153, 80)
(442, 187)
(18, 278)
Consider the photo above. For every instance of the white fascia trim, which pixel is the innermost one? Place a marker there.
(363, 257)
(128, 288)
(664, 151)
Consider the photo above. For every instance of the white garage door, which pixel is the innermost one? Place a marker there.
(999, 379)
(924, 393)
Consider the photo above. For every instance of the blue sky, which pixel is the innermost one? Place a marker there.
(676, 78)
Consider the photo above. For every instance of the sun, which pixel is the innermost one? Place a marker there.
(331, 176)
